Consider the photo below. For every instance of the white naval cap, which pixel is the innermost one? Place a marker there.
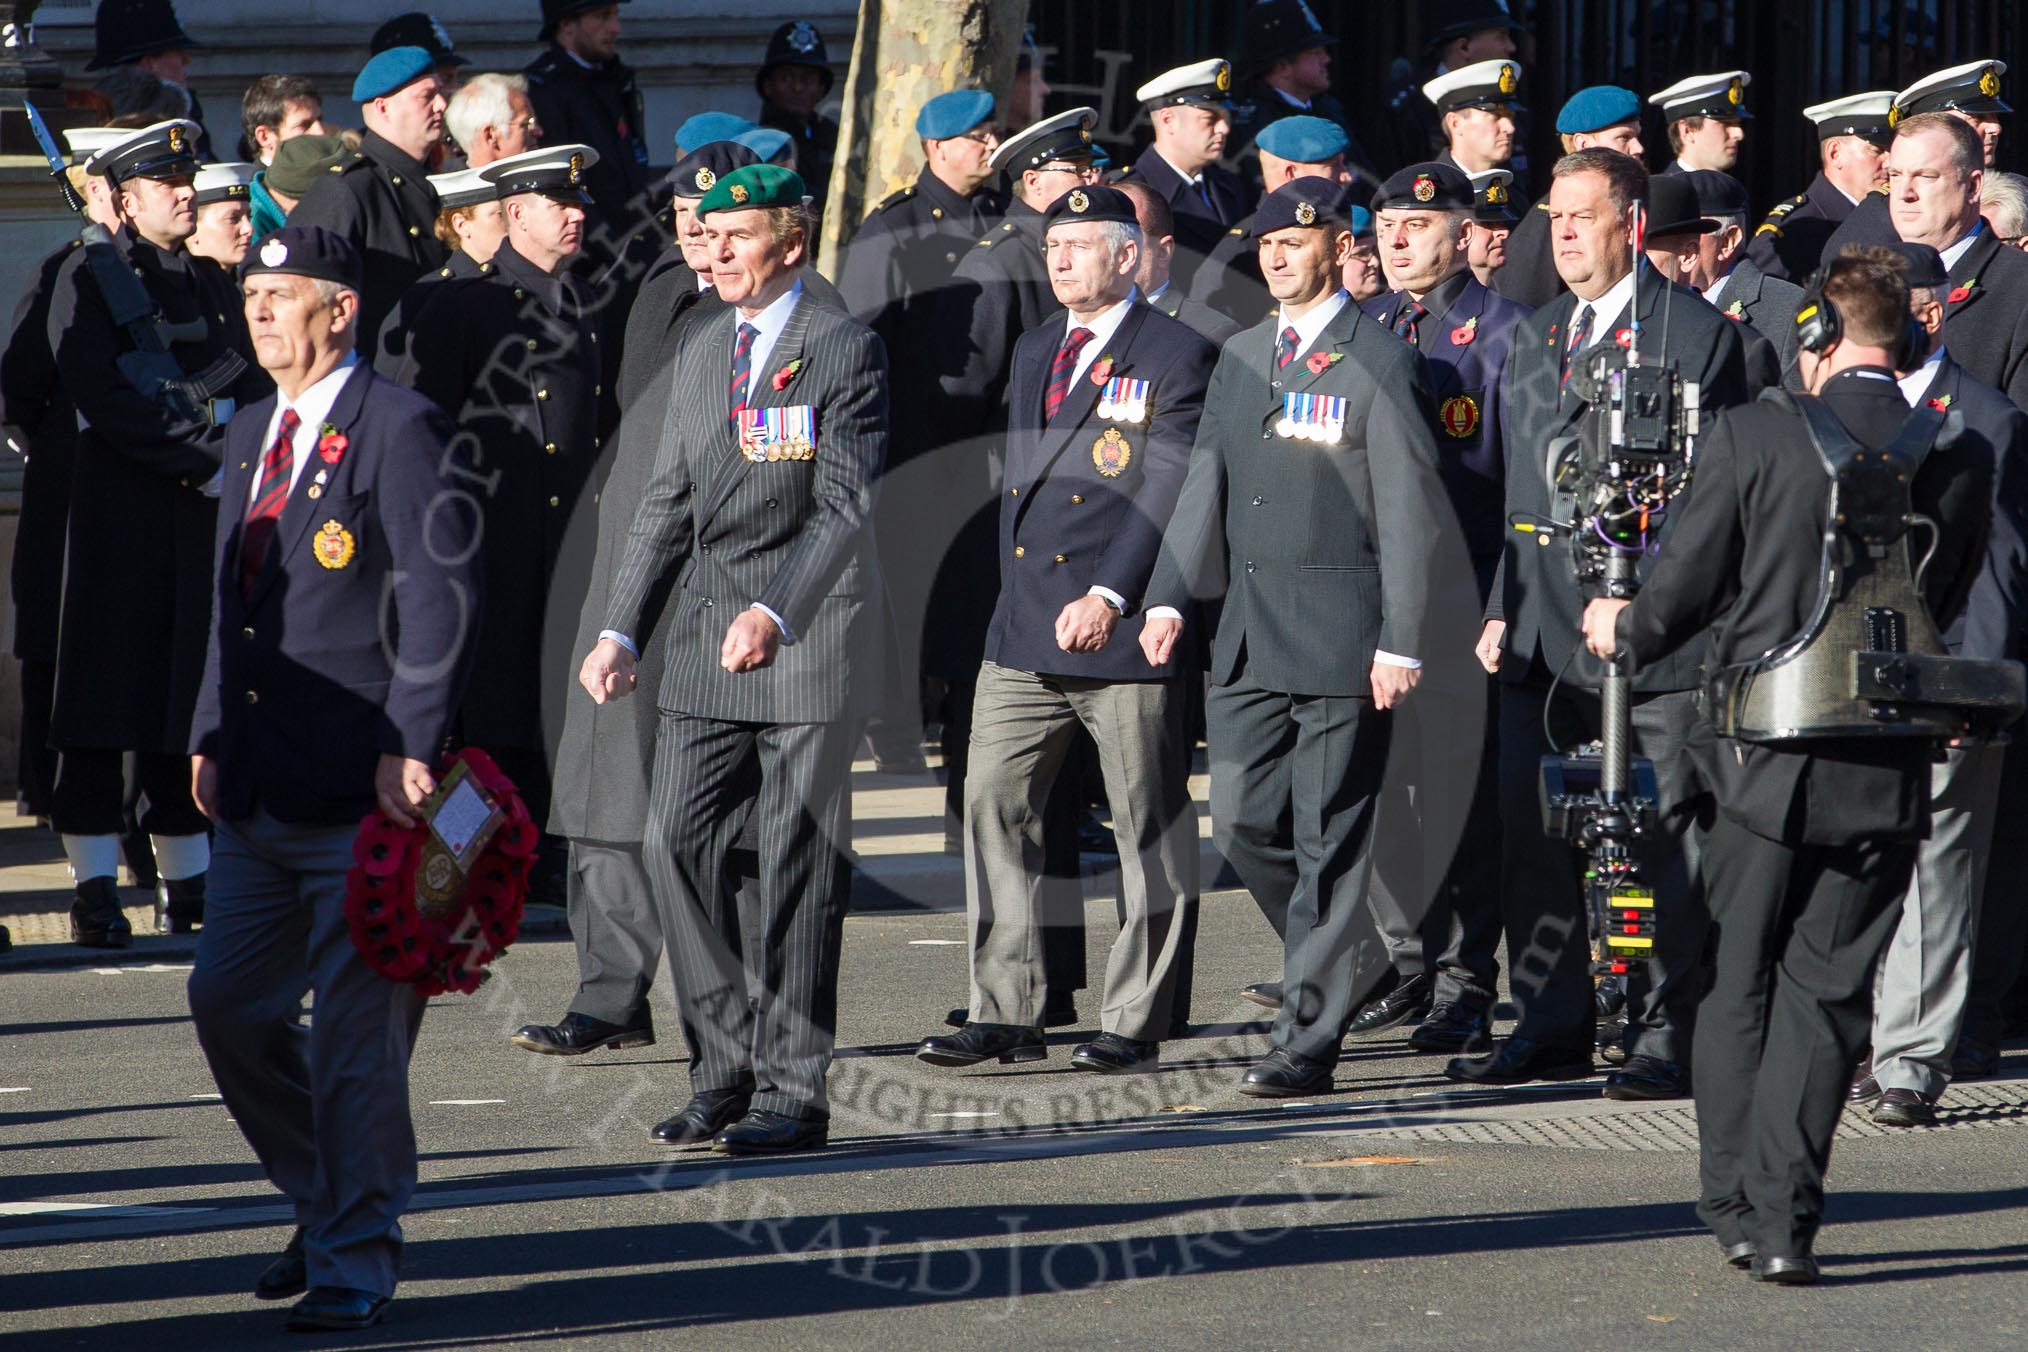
(1067, 135)
(229, 181)
(553, 171)
(1971, 88)
(1855, 115)
(463, 188)
(1483, 84)
(1205, 84)
(1718, 95)
(85, 142)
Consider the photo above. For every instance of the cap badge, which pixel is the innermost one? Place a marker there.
(1496, 194)
(1306, 214)
(1425, 187)
(705, 178)
(1507, 81)
(176, 140)
(738, 191)
(274, 253)
(1078, 201)
(1734, 95)
(803, 38)
(1989, 82)
(1223, 80)
(576, 167)
(1084, 134)
(1893, 115)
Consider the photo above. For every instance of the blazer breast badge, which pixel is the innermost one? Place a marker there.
(1111, 453)
(333, 545)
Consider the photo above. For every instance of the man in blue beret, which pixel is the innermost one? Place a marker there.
(585, 94)
(340, 635)
(701, 129)
(1296, 146)
(378, 198)
(1601, 115)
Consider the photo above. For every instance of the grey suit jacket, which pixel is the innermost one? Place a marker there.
(792, 535)
(1323, 553)
(1768, 305)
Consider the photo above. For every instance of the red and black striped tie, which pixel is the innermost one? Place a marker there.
(1061, 370)
(1405, 322)
(277, 469)
(1285, 348)
(742, 352)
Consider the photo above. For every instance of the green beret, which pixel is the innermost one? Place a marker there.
(301, 161)
(756, 185)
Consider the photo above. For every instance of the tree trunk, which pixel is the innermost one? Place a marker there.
(904, 53)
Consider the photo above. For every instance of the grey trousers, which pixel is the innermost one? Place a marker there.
(617, 933)
(325, 1108)
(1927, 969)
(1022, 728)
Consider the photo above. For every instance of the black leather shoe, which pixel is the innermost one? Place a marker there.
(579, 1033)
(1609, 997)
(337, 1307)
(179, 905)
(1904, 1108)
(1612, 1040)
(1267, 994)
(1111, 1054)
(1059, 1010)
(1286, 1074)
(1408, 1001)
(1453, 1028)
(96, 920)
(287, 1276)
(1647, 1077)
(700, 1120)
(765, 1133)
(1784, 1271)
(6, 940)
(1973, 1062)
(1520, 1060)
(1739, 1255)
(977, 1042)
(1864, 1088)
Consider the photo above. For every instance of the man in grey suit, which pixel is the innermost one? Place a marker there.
(1313, 492)
(1102, 408)
(758, 506)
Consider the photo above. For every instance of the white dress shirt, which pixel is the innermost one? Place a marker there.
(1607, 310)
(1718, 287)
(1103, 326)
(1194, 180)
(1963, 246)
(1916, 383)
(313, 407)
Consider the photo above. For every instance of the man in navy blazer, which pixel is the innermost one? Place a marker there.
(1463, 330)
(1102, 410)
(343, 604)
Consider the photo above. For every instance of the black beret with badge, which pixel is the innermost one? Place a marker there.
(1318, 203)
(1432, 186)
(1096, 203)
(552, 171)
(699, 171)
(307, 251)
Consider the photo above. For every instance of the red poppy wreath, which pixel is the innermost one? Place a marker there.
(420, 916)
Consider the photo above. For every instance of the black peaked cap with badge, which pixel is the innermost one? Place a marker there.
(1063, 136)
(307, 251)
(1722, 94)
(1309, 202)
(463, 188)
(1973, 87)
(553, 171)
(1201, 84)
(1433, 186)
(164, 150)
(1483, 84)
(1096, 203)
(696, 173)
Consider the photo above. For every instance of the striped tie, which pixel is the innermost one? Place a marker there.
(1405, 322)
(1285, 348)
(1061, 370)
(742, 352)
(277, 468)
(1580, 334)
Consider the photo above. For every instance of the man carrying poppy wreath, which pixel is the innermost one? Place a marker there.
(345, 589)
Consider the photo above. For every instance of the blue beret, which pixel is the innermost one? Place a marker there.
(1597, 107)
(1303, 139)
(705, 128)
(767, 143)
(953, 114)
(1362, 222)
(390, 70)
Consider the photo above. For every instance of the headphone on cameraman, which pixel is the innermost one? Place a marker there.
(1818, 325)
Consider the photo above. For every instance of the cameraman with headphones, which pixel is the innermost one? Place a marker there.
(1809, 844)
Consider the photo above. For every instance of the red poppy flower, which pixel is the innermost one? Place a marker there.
(787, 374)
(1463, 334)
(1940, 405)
(1320, 362)
(1625, 337)
(1102, 370)
(1960, 293)
(332, 445)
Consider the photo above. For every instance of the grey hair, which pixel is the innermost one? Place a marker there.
(481, 102)
(328, 291)
(2003, 201)
(1117, 234)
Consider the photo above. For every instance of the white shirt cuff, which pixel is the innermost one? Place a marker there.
(621, 639)
(1162, 613)
(787, 637)
(1396, 659)
(1119, 602)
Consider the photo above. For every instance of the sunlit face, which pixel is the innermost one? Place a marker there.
(1300, 264)
(747, 261)
(961, 160)
(1488, 251)
(224, 229)
(414, 114)
(480, 229)
(690, 237)
(289, 322)
(1988, 130)
(1044, 185)
(1191, 137)
(1085, 272)
(1481, 138)
(1360, 273)
(1418, 248)
(545, 230)
(1929, 200)
(1624, 137)
(522, 131)
(1588, 237)
(163, 210)
(1713, 144)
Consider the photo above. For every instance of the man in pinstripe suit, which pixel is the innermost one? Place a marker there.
(759, 506)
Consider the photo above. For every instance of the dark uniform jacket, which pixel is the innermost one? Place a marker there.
(1323, 553)
(790, 534)
(1202, 217)
(1789, 244)
(1867, 223)
(1465, 338)
(381, 200)
(1265, 106)
(816, 141)
(599, 107)
(1088, 495)
(1989, 624)
(40, 425)
(1534, 591)
(1212, 326)
(1744, 566)
(1229, 279)
(392, 344)
(1529, 275)
(1768, 306)
(907, 248)
(512, 355)
(136, 591)
(358, 633)
(1986, 315)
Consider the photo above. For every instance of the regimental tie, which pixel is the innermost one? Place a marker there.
(1580, 334)
(742, 360)
(1285, 348)
(258, 535)
(1061, 370)
(1405, 322)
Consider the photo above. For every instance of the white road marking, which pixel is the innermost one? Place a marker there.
(964, 1114)
(936, 943)
(143, 967)
(17, 1089)
(462, 1103)
(209, 1098)
(107, 1210)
